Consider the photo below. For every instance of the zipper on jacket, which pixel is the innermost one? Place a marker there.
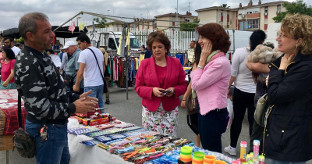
(287, 67)
(274, 65)
(266, 122)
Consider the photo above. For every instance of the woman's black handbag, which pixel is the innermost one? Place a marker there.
(23, 142)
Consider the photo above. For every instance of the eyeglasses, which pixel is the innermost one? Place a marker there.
(282, 35)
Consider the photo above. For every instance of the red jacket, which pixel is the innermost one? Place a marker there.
(146, 79)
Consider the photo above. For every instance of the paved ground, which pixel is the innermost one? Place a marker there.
(130, 111)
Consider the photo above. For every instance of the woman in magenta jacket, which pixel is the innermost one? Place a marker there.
(210, 79)
(160, 81)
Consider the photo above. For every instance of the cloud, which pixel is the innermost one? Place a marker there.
(59, 11)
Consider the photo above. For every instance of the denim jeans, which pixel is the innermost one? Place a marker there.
(97, 91)
(55, 149)
(273, 161)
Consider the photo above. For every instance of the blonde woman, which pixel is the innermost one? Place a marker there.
(288, 132)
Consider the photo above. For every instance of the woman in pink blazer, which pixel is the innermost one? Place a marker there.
(160, 81)
(210, 80)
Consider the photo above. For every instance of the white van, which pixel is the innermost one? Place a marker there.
(110, 40)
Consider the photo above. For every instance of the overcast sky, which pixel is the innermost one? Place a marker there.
(60, 11)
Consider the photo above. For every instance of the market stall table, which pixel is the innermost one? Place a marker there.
(9, 119)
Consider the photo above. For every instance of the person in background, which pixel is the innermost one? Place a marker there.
(210, 79)
(8, 42)
(55, 59)
(192, 116)
(46, 101)
(160, 81)
(106, 74)
(189, 56)
(288, 132)
(244, 89)
(91, 66)
(262, 70)
(148, 53)
(7, 70)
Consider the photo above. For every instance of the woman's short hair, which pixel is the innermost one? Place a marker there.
(9, 53)
(256, 38)
(158, 37)
(299, 26)
(217, 35)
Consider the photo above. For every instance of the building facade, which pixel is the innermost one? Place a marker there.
(248, 18)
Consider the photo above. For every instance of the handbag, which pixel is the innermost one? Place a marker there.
(261, 109)
(23, 142)
(105, 86)
(190, 106)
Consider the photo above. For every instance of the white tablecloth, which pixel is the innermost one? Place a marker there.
(82, 154)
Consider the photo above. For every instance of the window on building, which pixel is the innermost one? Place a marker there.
(266, 10)
(279, 9)
(253, 23)
(221, 16)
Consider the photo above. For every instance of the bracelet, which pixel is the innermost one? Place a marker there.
(183, 100)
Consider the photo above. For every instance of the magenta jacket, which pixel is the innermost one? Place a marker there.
(146, 79)
(211, 83)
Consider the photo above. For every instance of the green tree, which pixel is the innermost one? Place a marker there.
(101, 22)
(189, 26)
(292, 8)
(225, 6)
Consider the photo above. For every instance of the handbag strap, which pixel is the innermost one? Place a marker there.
(19, 110)
(98, 65)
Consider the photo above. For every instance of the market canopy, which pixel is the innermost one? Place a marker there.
(61, 32)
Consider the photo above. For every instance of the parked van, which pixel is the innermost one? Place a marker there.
(238, 39)
(110, 40)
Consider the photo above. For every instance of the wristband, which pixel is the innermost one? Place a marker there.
(183, 100)
(200, 67)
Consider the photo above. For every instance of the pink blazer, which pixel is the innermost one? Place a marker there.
(211, 83)
(146, 79)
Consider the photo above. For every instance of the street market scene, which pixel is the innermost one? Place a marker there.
(156, 82)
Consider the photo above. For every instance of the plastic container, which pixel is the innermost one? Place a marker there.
(186, 154)
(219, 162)
(209, 159)
(256, 146)
(198, 157)
(235, 162)
(261, 159)
(243, 151)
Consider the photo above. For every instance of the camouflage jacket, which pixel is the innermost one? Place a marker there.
(42, 89)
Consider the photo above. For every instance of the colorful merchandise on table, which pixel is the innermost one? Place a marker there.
(138, 145)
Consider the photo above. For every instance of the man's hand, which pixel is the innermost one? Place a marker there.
(85, 103)
(76, 88)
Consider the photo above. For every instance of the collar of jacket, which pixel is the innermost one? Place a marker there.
(35, 52)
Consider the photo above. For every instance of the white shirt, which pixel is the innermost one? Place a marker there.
(91, 74)
(56, 60)
(16, 50)
(244, 80)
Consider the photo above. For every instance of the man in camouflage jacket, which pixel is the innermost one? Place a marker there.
(42, 89)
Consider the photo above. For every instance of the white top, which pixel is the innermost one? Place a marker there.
(56, 60)
(16, 50)
(244, 80)
(91, 74)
